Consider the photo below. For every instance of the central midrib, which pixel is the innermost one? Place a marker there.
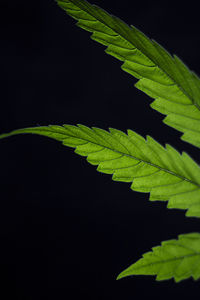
(136, 158)
(41, 129)
(156, 63)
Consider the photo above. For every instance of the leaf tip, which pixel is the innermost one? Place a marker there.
(121, 275)
(5, 135)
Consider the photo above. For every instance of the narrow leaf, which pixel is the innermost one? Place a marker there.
(178, 259)
(174, 87)
(163, 172)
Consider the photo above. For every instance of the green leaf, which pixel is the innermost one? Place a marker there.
(178, 259)
(149, 167)
(174, 87)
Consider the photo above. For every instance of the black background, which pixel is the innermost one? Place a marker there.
(66, 231)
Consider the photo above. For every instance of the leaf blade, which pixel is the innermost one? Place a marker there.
(149, 167)
(160, 75)
(178, 259)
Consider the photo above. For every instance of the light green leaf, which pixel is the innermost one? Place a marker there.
(174, 87)
(178, 259)
(149, 167)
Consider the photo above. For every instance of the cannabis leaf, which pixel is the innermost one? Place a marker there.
(161, 171)
(179, 259)
(165, 173)
(174, 87)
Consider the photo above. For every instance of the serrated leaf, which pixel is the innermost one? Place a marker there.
(163, 172)
(178, 259)
(174, 87)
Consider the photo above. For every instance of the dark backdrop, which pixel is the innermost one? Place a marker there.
(66, 231)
